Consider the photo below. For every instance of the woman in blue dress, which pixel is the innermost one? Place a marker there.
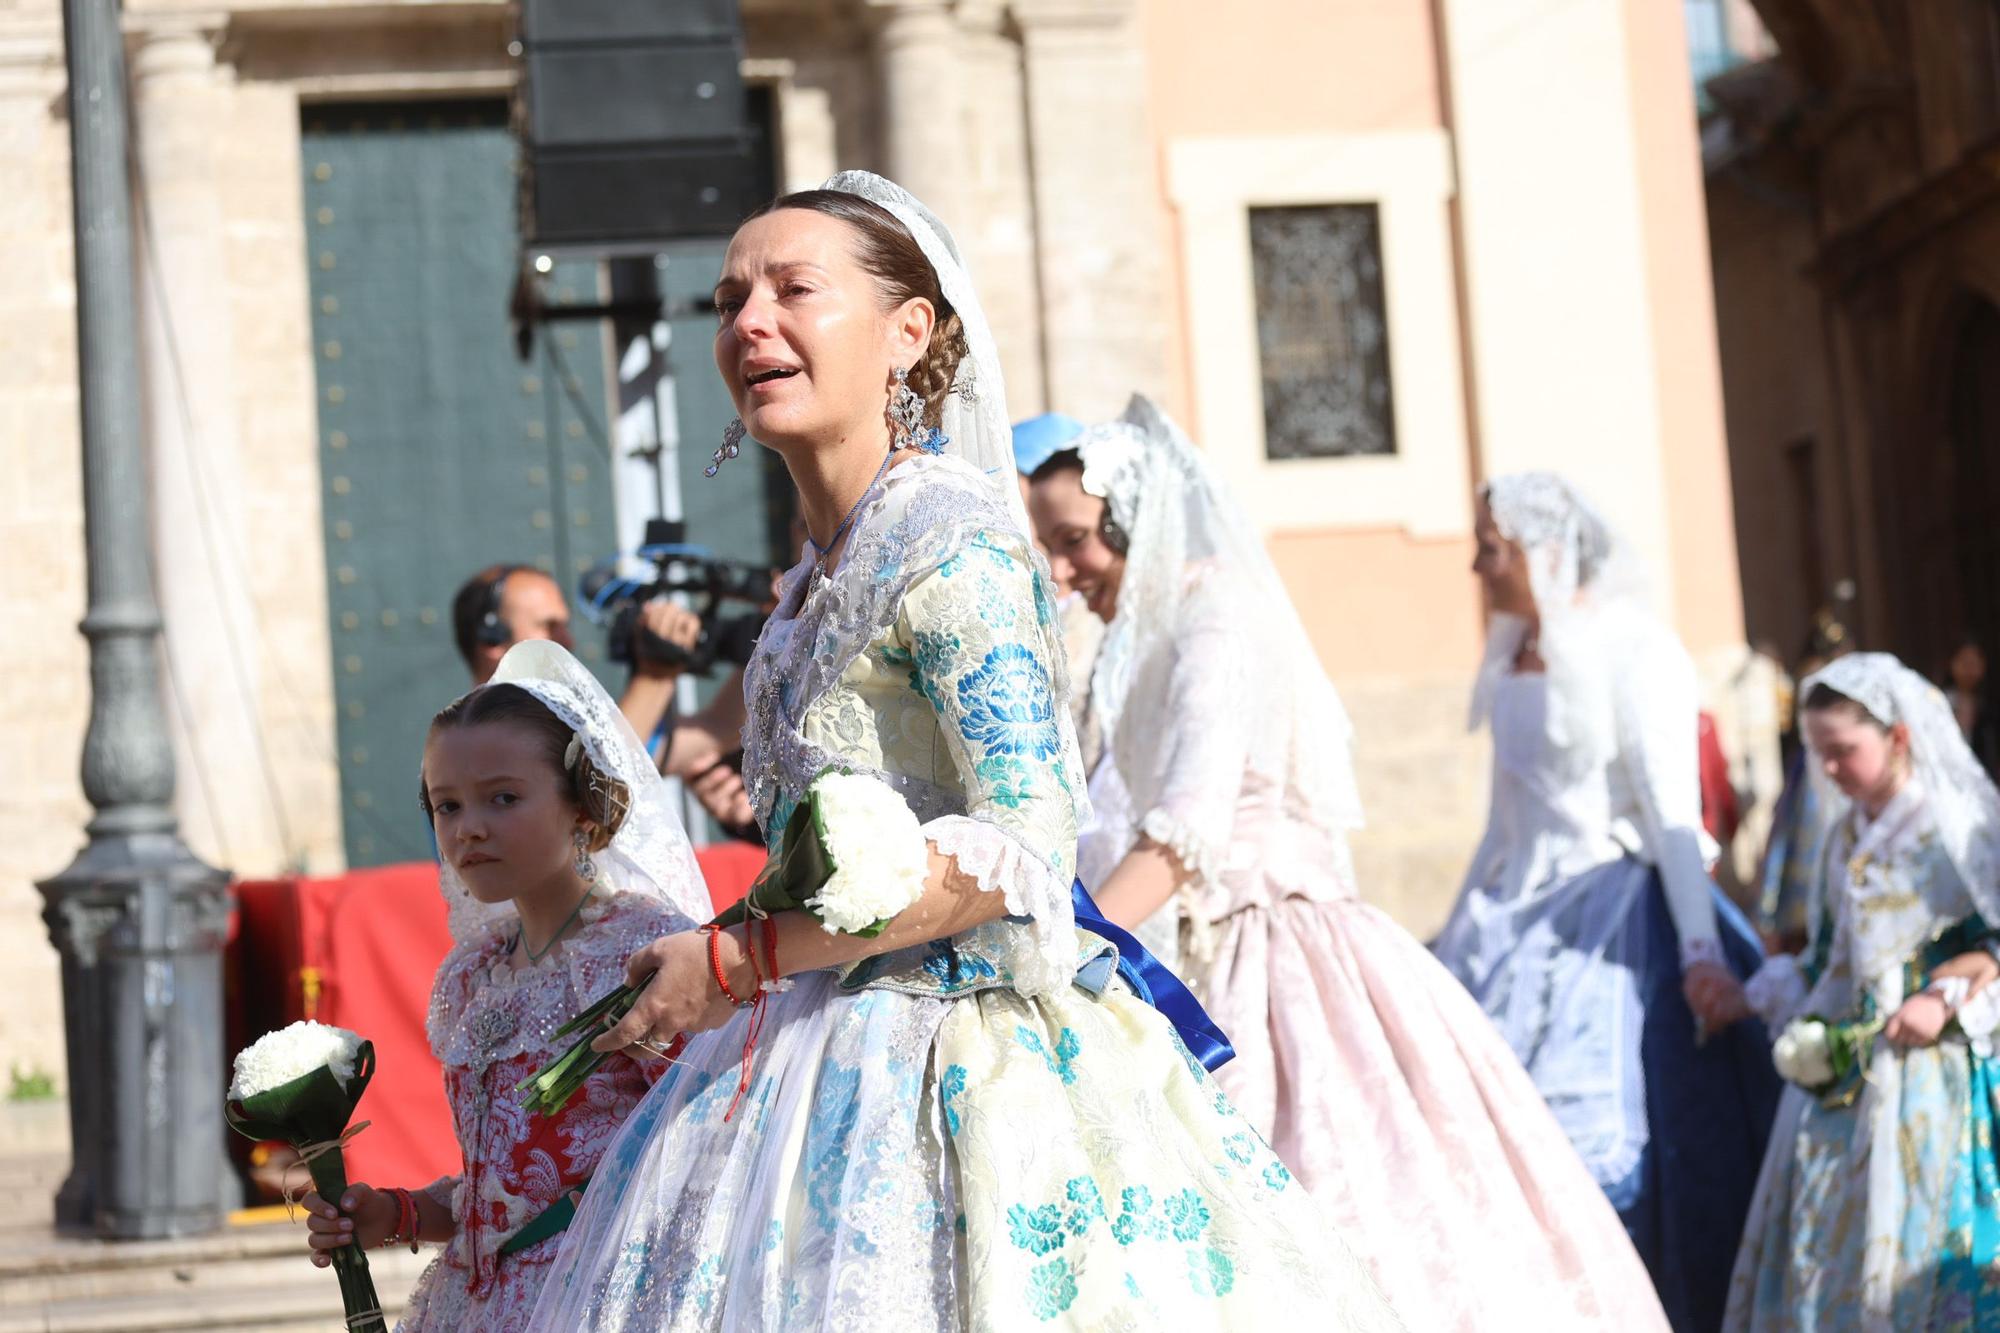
(1588, 928)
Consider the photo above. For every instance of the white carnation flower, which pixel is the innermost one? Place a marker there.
(878, 850)
(276, 1058)
(1802, 1054)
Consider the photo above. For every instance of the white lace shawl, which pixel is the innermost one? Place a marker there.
(1622, 694)
(1206, 676)
(921, 514)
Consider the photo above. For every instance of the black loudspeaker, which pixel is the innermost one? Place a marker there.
(635, 127)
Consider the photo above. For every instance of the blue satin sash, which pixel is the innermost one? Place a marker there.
(1154, 983)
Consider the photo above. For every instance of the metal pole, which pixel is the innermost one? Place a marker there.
(137, 919)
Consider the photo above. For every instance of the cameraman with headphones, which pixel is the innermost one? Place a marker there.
(504, 604)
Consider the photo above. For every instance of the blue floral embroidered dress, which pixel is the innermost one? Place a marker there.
(986, 1132)
(1878, 1207)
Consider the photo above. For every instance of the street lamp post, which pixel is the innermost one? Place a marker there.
(137, 919)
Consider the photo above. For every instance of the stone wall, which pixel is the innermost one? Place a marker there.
(44, 695)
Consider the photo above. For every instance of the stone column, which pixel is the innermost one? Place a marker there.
(996, 228)
(1101, 248)
(923, 140)
(227, 799)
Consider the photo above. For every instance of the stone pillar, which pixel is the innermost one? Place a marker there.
(916, 57)
(1101, 247)
(997, 229)
(1555, 245)
(228, 802)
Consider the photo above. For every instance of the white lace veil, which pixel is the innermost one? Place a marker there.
(650, 854)
(1579, 569)
(1184, 530)
(1960, 796)
(975, 423)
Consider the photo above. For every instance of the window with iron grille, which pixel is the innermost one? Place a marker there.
(1322, 331)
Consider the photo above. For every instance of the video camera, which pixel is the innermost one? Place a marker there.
(614, 592)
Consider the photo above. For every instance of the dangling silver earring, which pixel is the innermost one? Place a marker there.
(732, 445)
(586, 864)
(906, 412)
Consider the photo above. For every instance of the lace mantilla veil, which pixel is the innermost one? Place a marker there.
(975, 421)
(1190, 544)
(650, 855)
(1960, 796)
(1580, 570)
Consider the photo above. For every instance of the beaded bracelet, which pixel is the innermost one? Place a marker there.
(406, 1218)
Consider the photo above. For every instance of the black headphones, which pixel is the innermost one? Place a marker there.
(491, 629)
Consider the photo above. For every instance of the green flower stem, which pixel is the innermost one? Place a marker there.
(350, 1263)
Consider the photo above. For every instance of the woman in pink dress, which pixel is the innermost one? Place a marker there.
(1225, 797)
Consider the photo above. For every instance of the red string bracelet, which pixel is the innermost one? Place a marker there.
(406, 1218)
(750, 949)
(714, 933)
(771, 951)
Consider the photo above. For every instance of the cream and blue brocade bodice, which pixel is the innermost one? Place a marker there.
(932, 658)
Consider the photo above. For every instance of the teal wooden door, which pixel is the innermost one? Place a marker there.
(743, 512)
(440, 451)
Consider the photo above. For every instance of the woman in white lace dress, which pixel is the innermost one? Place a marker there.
(969, 1121)
(1588, 923)
(1223, 805)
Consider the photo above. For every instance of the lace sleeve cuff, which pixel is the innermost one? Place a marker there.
(444, 1192)
(1979, 1017)
(1197, 861)
(1777, 991)
(1707, 950)
(1040, 947)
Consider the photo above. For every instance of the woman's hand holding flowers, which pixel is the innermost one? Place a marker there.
(682, 997)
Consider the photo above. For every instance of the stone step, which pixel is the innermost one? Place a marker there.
(245, 1278)
(290, 1309)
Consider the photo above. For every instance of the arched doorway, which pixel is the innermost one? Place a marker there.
(1943, 555)
(1974, 501)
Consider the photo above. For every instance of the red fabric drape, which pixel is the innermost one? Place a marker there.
(1719, 811)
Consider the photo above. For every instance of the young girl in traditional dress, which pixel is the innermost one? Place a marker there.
(558, 857)
(1878, 1207)
(1222, 809)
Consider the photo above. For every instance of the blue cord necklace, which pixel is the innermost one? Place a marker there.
(821, 552)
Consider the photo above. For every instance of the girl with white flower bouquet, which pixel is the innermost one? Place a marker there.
(559, 854)
(959, 1114)
(299, 1085)
(1877, 1207)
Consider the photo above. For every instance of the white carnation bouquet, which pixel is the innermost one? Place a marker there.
(300, 1085)
(1825, 1058)
(852, 854)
